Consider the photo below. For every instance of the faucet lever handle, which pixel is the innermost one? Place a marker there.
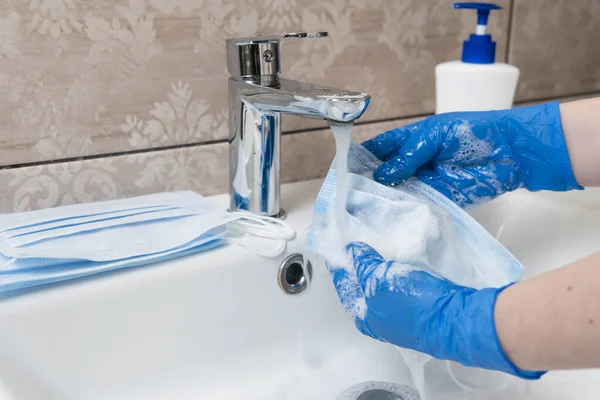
(274, 38)
(256, 58)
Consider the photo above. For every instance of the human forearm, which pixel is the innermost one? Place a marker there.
(552, 321)
(581, 126)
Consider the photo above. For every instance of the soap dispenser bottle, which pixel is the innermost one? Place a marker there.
(477, 82)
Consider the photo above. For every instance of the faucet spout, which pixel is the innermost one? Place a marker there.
(308, 100)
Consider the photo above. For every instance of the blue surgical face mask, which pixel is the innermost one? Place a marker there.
(411, 223)
(25, 273)
(101, 232)
(43, 246)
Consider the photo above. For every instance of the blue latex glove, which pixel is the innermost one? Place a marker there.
(411, 308)
(472, 157)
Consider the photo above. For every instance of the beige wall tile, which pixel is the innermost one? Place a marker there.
(561, 99)
(555, 44)
(80, 78)
(202, 168)
(91, 77)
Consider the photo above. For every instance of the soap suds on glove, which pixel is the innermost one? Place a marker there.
(473, 147)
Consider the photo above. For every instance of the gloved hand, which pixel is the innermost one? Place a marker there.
(472, 157)
(412, 308)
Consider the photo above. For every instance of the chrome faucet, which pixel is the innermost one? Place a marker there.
(257, 98)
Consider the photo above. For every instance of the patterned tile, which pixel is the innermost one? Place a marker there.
(564, 99)
(555, 44)
(202, 168)
(81, 78)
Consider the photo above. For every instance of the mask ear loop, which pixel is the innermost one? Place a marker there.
(248, 229)
(263, 226)
(468, 388)
(274, 248)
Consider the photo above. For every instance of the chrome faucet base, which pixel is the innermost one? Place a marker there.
(281, 214)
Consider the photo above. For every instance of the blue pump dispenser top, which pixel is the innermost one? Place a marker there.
(479, 49)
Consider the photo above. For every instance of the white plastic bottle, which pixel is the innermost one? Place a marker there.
(476, 83)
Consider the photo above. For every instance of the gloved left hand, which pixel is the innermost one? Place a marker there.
(411, 307)
(473, 157)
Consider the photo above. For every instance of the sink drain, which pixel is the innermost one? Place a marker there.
(294, 274)
(379, 394)
(379, 391)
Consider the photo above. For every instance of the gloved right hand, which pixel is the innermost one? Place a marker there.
(410, 307)
(472, 157)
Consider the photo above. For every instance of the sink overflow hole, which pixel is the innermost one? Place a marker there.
(294, 274)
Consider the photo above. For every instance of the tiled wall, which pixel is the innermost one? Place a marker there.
(110, 98)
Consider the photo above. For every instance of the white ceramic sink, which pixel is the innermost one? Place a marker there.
(218, 326)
